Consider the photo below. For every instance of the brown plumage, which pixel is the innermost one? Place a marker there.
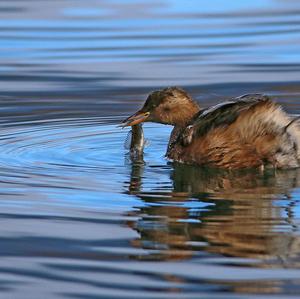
(248, 131)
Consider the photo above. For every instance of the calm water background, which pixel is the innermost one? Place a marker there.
(78, 218)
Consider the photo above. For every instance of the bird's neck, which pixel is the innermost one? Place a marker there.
(185, 115)
(180, 126)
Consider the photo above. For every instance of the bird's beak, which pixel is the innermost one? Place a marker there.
(135, 119)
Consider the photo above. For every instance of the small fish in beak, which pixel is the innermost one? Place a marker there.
(135, 141)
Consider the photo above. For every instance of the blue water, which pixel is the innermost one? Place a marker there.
(78, 218)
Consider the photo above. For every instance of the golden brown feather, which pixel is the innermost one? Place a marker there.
(249, 131)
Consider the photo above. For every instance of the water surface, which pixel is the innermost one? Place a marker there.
(79, 219)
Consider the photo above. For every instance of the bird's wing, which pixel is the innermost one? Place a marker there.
(222, 114)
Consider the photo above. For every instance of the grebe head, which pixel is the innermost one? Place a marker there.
(171, 106)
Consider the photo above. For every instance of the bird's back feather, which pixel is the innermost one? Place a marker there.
(248, 131)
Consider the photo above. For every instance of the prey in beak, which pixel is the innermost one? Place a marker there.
(135, 119)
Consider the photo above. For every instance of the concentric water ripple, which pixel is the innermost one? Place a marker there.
(60, 156)
(59, 143)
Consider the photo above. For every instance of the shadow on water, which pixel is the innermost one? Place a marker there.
(246, 214)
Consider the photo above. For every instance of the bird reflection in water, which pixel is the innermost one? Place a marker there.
(246, 214)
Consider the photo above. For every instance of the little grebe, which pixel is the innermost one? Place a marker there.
(248, 131)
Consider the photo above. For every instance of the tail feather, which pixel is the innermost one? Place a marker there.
(275, 134)
(291, 122)
(288, 152)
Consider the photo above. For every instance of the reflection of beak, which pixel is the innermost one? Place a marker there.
(135, 119)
